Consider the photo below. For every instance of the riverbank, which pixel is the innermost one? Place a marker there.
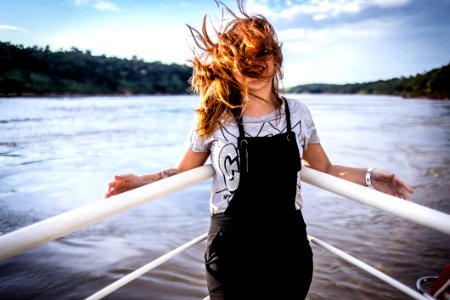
(434, 84)
(39, 72)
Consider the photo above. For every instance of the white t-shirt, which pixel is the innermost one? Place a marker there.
(224, 152)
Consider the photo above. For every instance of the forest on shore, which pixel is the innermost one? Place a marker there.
(38, 71)
(29, 71)
(434, 84)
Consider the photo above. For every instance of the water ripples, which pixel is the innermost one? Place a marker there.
(57, 154)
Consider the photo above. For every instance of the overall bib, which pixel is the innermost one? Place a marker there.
(257, 248)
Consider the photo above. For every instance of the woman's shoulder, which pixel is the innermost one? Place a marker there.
(297, 106)
(300, 114)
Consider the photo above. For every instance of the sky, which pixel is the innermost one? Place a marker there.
(323, 41)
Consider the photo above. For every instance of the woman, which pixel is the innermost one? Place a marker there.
(257, 141)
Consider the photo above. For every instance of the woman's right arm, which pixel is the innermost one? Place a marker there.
(126, 182)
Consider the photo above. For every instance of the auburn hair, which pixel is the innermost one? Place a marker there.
(242, 46)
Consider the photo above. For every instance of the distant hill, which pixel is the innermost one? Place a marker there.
(39, 71)
(30, 71)
(434, 84)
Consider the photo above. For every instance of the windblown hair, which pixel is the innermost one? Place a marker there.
(242, 47)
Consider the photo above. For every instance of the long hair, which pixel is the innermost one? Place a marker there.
(242, 46)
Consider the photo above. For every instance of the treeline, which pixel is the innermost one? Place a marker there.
(434, 84)
(39, 71)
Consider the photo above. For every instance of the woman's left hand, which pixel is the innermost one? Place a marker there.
(390, 184)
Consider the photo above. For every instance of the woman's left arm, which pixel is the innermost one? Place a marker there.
(315, 157)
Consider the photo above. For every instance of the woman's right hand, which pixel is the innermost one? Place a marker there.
(122, 183)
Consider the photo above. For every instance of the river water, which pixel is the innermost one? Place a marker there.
(56, 154)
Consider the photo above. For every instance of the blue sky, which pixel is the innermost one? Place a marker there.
(328, 41)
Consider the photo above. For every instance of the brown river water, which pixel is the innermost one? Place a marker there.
(56, 154)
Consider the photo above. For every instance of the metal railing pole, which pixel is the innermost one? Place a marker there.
(26, 238)
(144, 269)
(405, 209)
(369, 269)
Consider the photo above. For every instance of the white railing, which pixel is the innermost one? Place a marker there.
(142, 270)
(39, 233)
(345, 256)
(404, 209)
(369, 269)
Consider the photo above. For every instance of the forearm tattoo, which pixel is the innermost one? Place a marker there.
(166, 173)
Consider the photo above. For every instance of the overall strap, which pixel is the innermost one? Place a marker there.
(241, 127)
(288, 115)
(288, 120)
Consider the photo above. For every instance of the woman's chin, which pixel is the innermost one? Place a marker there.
(256, 84)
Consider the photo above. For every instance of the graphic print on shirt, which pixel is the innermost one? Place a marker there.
(229, 166)
(228, 161)
(227, 156)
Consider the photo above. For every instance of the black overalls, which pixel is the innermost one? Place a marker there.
(257, 248)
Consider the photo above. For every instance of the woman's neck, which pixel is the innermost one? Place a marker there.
(256, 107)
(260, 103)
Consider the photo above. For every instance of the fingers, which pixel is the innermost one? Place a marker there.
(405, 185)
(111, 189)
(392, 185)
(404, 194)
(124, 180)
(120, 184)
(107, 194)
(404, 190)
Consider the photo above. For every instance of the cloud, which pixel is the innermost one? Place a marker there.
(106, 5)
(322, 13)
(99, 4)
(124, 40)
(361, 40)
(328, 21)
(81, 2)
(9, 27)
(186, 4)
